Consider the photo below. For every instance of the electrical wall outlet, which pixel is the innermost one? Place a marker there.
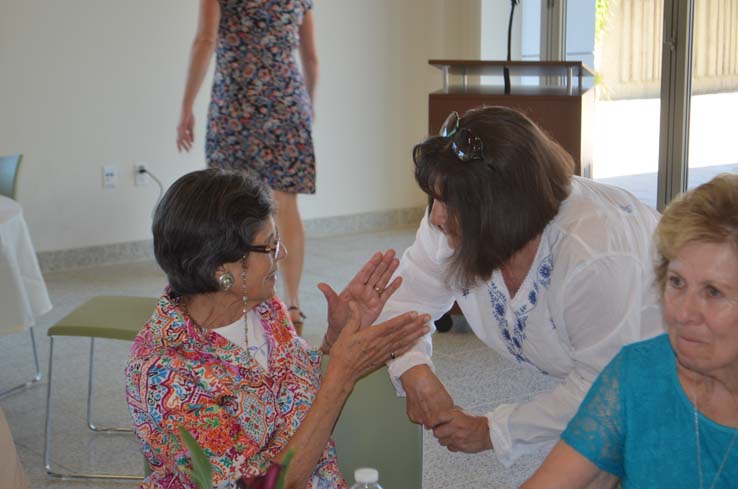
(109, 176)
(140, 176)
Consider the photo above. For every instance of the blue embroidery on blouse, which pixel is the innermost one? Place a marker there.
(514, 336)
(627, 208)
(464, 292)
(544, 273)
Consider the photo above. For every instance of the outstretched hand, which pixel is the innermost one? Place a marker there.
(359, 350)
(369, 289)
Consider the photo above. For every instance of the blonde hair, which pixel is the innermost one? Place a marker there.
(707, 214)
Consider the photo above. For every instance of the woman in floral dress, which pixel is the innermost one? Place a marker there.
(260, 112)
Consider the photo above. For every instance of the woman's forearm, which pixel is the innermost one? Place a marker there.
(312, 436)
(357, 352)
(309, 55)
(565, 468)
(202, 52)
(310, 71)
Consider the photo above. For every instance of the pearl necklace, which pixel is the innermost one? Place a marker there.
(204, 331)
(699, 449)
(244, 298)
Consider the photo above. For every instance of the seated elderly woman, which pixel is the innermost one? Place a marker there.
(664, 412)
(221, 358)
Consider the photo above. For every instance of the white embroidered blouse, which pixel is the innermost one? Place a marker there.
(589, 291)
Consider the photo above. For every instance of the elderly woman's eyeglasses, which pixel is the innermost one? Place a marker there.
(465, 145)
(275, 251)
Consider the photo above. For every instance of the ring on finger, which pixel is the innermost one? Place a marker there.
(379, 291)
(392, 355)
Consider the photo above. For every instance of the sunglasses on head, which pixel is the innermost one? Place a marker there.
(464, 145)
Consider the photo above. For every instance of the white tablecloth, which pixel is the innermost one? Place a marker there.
(23, 294)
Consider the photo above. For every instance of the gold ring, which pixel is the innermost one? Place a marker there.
(379, 291)
(392, 355)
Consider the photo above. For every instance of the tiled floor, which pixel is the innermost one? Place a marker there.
(644, 185)
(476, 377)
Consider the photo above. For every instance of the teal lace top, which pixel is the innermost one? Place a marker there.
(636, 422)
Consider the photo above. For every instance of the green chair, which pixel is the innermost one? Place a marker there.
(105, 317)
(374, 431)
(9, 166)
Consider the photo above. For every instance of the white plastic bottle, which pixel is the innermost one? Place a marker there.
(366, 479)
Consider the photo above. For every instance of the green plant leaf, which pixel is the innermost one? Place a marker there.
(202, 470)
(283, 474)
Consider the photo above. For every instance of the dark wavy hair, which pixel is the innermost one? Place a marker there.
(205, 219)
(498, 204)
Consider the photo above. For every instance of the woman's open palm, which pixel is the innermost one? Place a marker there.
(369, 289)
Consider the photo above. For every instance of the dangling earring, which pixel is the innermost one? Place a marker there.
(243, 284)
(245, 300)
(225, 281)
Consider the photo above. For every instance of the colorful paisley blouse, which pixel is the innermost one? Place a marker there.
(242, 415)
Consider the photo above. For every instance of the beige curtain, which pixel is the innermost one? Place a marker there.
(630, 46)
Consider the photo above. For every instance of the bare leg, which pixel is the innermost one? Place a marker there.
(292, 233)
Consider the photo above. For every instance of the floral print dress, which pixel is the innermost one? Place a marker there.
(241, 414)
(260, 113)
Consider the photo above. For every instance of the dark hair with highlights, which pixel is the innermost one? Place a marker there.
(498, 204)
(205, 219)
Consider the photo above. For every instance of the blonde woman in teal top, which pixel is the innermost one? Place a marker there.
(664, 412)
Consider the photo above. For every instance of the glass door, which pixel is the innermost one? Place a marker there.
(713, 104)
(667, 87)
(627, 61)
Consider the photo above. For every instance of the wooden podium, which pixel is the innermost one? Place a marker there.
(561, 101)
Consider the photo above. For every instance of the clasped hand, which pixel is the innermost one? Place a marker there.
(460, 431)
(429, 404)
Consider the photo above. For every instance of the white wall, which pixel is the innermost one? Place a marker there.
(526, 34)
(580, 31)
(580, 25)
(493, 36)
(85, 83)
(530, 31)
(495, 20)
